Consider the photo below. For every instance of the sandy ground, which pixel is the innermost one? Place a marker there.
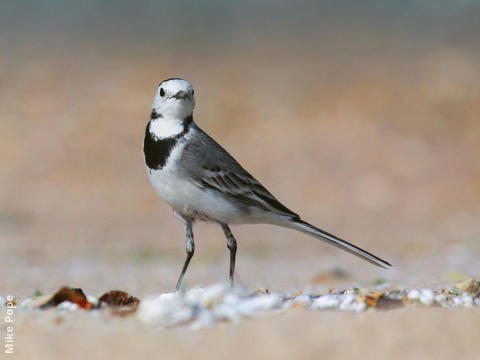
(413, 333)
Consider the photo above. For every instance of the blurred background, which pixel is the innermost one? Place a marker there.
(361, 116)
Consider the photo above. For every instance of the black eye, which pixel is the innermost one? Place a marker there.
(162, 92)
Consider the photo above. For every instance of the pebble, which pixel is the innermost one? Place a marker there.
(259, 303)
(211, 295)
(440, 298)
(467, 300)
(68, 306)
(413, 295)
(427, 297)
(166, 310)
(470, 285)
(329, 301)
(304, 300)
(349, 303)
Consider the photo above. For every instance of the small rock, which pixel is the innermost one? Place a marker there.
(441, 299)
(467, 300)
(166, 310)
(119, 301)
(372, 299)
(385, 303)
(93, 300)
(67, 305)
(194, 295)
(470, 285)
(67, 294)
(329, 301)
(413, 295)
(259, 303)
(398, 295)
(302, 301)
(427, 297)
(117, 298)
(457, 301)
(349, 303)
(207, 297)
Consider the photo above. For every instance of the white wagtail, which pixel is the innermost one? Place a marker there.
(202, 181)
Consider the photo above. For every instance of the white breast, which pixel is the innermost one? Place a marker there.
(187, 198)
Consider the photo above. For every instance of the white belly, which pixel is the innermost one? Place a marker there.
(188, 199)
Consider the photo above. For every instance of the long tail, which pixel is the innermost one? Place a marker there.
(305, 227)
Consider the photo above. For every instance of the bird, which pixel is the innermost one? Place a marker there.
(201, 181)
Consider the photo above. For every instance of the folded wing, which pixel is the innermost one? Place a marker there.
(218, 171)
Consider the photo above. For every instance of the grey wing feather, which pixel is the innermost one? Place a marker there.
(209, 165)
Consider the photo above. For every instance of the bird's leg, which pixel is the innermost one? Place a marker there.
(190, 247)
(232, 246)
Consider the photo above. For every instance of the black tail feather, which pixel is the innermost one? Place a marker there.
(305, 227)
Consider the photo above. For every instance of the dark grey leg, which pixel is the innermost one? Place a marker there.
(232, 246)
(190, 247)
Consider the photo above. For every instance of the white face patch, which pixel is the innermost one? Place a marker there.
(174, 99)
(163, 128)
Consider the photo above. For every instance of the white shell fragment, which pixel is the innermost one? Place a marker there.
(413, 295)
(166, 310)
(329, 301)
(68, 306)
(427, 297)
(349, 303)
(303, 300)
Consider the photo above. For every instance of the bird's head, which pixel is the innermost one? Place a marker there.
(174, 98)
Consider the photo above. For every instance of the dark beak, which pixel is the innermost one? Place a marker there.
(181, 95)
